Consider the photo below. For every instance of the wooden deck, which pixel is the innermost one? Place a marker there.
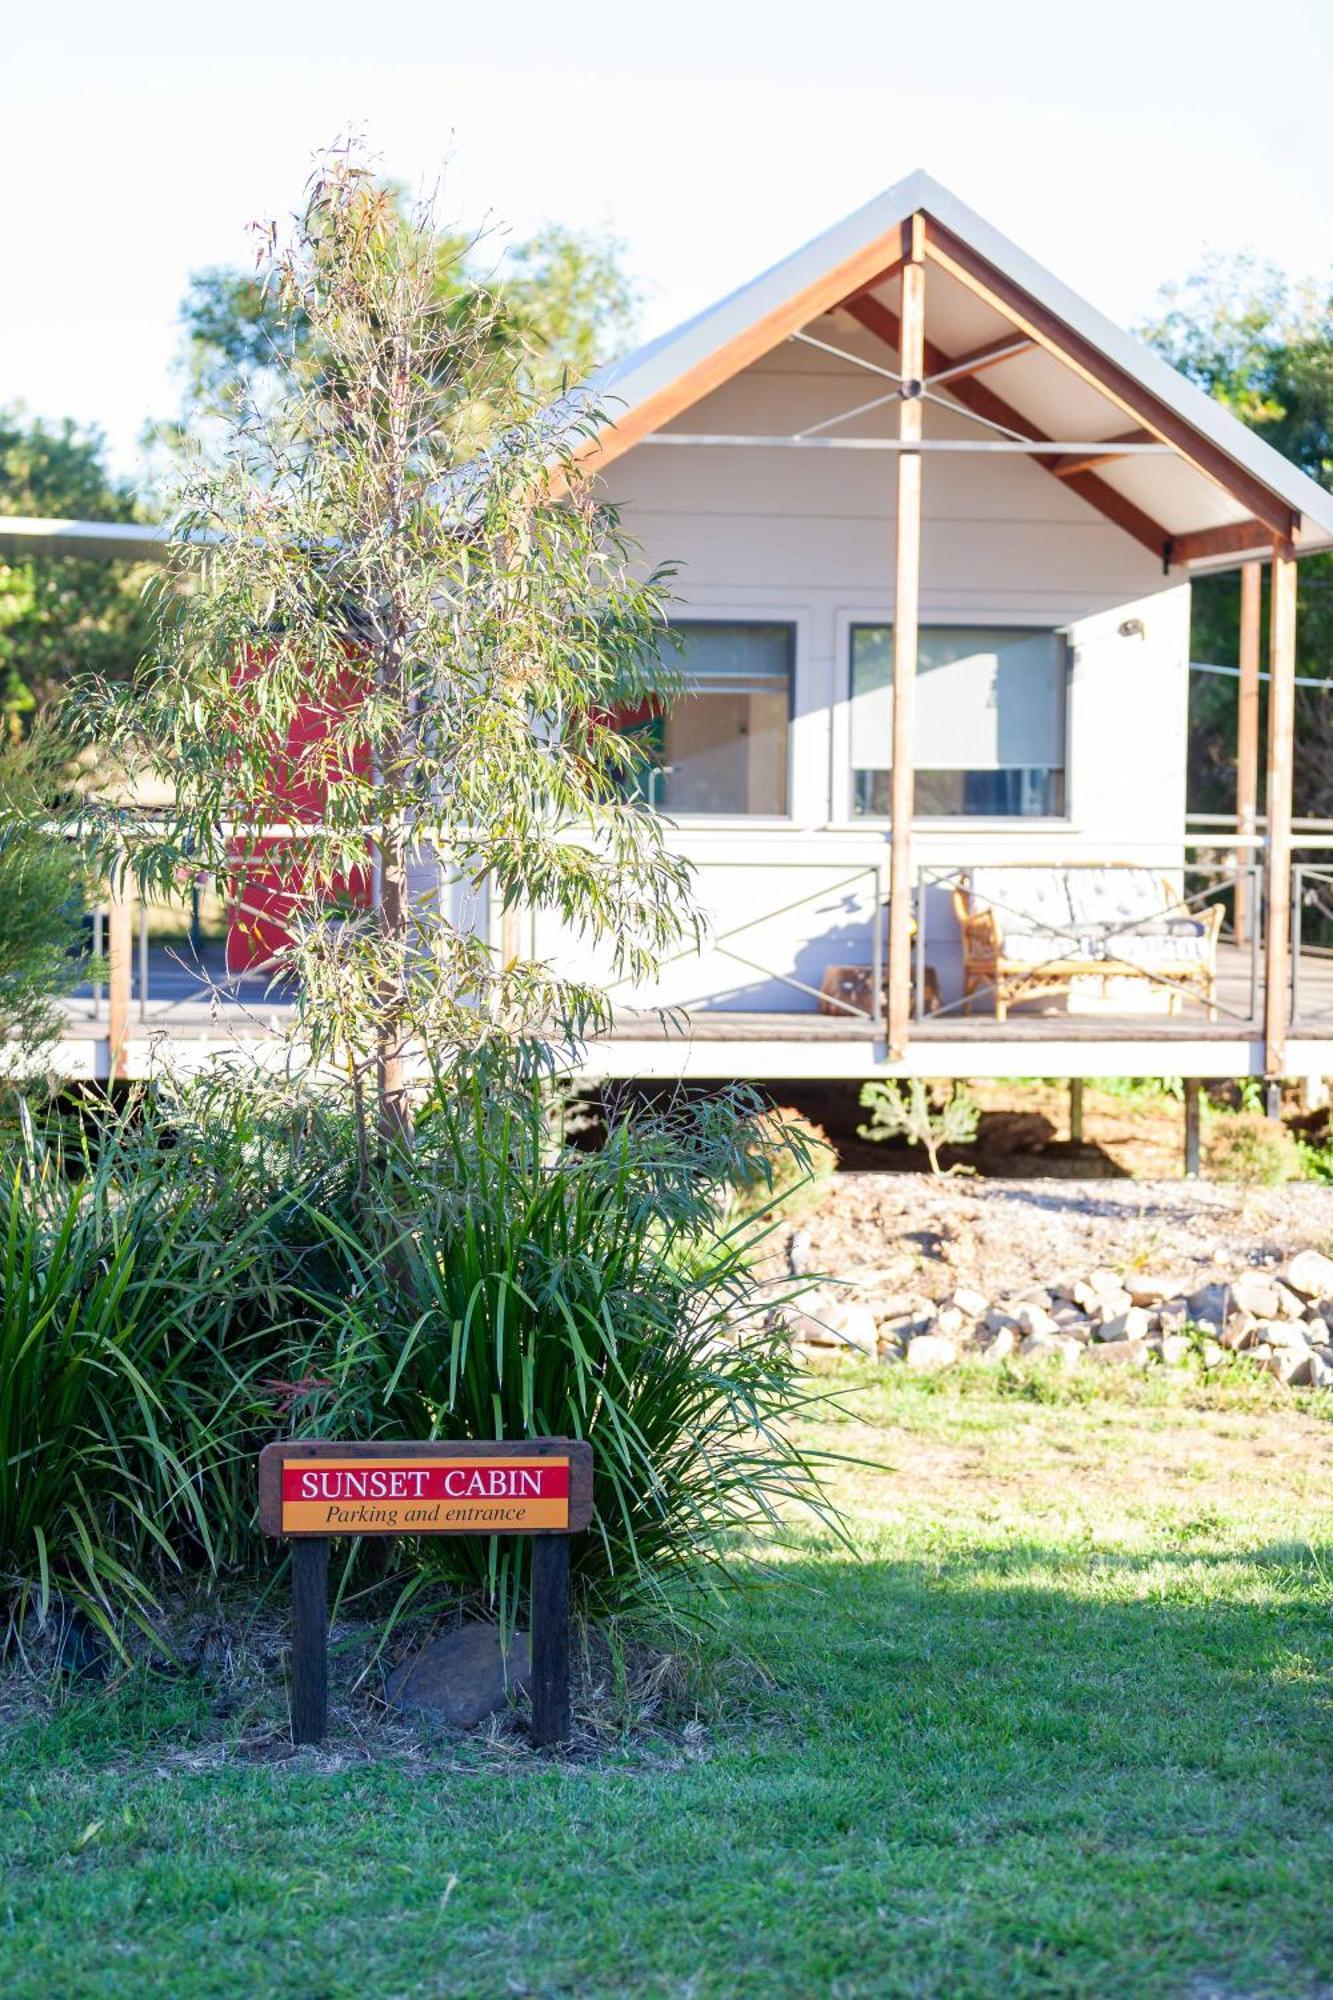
(1239, 1009)
(194, 1010)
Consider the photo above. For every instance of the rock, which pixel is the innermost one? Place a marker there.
(901, 1305)
(463, 1677)
(1113, 1304)
(1035, 1295)
(1282, 1333)
(852, 1325)
(1288, 1304)
(1086, 1296)
(1211, 1354)
(998, 1318)
(1073, 1325)
(1310, 1274)
(1208, 1305)
(1173, 1317)
(931, 1351)
(1034, 1319)
(1255, 1295)
(1125, 1353)
(1105, 1282)
(973, 1304)
(1175, 1349)
(1238, 1332)
(1320, 1374)
(798, 1252)
(1050, 1347)
(1317, 1330)
(1000, 1346)
(1286, 1364)
(1129, 1325)
(1151, 1291)
(949, 1321)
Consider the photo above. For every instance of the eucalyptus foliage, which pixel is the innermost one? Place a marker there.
(390, 651)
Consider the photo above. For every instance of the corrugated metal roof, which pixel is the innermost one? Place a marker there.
(649, 374)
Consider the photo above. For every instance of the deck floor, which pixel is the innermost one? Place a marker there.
(190, 997)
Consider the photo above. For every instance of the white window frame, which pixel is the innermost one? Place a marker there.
(797, 622)
(841, 732)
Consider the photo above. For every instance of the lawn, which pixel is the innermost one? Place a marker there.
(1059, 1726)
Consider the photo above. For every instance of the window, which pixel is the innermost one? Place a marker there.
(722, 747)
(990, 721)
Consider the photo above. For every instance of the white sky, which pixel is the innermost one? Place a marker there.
(1115, 143)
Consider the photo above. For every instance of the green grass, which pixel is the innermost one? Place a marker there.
(1060, 1730)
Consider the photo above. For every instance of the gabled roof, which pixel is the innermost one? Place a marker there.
(1078, 375)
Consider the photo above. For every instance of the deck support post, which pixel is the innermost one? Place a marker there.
(1193, 1150)
(1247, 744)
(119, 968)
(1281, 738)
(906, 600)
(1076, 1111)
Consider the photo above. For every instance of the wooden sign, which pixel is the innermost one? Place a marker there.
(541, 1486)
(313, 1489)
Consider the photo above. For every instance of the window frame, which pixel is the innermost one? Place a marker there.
(843, 789)
(793, 623)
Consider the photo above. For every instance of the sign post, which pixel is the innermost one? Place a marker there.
(310, 1491)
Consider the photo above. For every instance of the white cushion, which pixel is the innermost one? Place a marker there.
(1028, 901)
(1032, 947)
(1114, 898)
(1158, 952)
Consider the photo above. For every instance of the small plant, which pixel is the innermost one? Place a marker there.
(790, 1168)
(899, 1111)
(1249, 1150)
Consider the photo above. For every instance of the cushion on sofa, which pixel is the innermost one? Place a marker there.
(1025, 901)
(1116, 899)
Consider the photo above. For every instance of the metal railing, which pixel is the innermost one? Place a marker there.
(1005, 962)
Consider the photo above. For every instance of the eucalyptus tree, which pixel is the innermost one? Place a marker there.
(390, 650)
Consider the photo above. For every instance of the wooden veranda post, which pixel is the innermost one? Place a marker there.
(1281, 735)
(906, 600)
(1247, 745)
(119, 972)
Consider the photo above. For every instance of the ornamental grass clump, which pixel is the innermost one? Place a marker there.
(500, 1285)
(104, 1445)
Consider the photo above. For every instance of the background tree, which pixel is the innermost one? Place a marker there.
(552, 307)
(1263, 345)
(44, 890)
(61, 616)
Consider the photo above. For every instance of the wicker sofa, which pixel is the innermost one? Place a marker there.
(1032, 930)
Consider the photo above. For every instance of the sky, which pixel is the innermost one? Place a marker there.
(1116, 144)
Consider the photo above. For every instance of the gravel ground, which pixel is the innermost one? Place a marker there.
(1002, 1236)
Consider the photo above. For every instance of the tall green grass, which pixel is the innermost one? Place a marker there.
(500, 1285)
(228, 1263)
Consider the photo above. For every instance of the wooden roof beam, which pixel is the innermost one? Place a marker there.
(1077, 353)
(882, 321)
(1064, 467)
(1235, 538)
(1006, 349)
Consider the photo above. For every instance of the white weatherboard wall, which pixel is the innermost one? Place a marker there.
(807, 537)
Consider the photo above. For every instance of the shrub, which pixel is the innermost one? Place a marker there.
(908, 1112)
(1253, 1151)
(497, 1284)
(102, 1451)
(790, 1168)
